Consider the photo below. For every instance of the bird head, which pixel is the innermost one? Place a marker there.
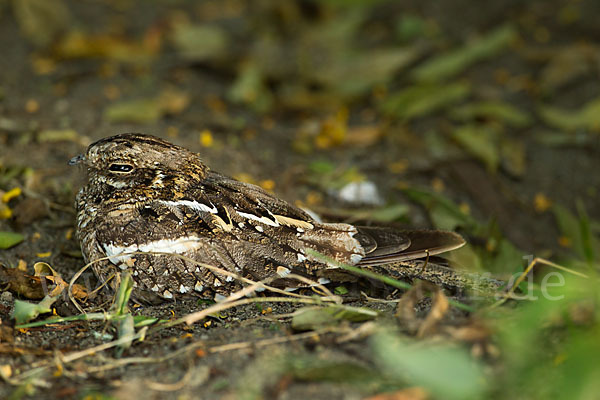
(132, 160)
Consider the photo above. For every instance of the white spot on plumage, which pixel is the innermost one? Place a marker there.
(263, 220)
(183, 289)
(114, 253)
(288, 221)
(283, 271)
(355, 258)
(227, 227)
(198, 287)
(193, 204)
(229, 278)
(122, 254)
(301, 257)
(323, 281)
(157, 182)
(219, 297)
(154, 288)
(259, 228)
(167, 294)
(111, 182)
(178, 245)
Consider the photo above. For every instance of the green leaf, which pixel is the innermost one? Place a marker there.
(137, 111)
(309, 318)
(569, 227)
(466, 257)
(125, 328)
(10, 239)
(146, 110)
(454, 62)
(588, 117)
(58, 135)
(340, 290)
(200, 42)
(448, 372)
(444, 213)
(421, 100)
(142, 320)
(249, 88)
(25, 311)
(119, 307)
(315, 369)
(41, 20)
(508, 258)
(410, 27)
(389, 213)
(356, 73)
(513, 156)
(495, 110)
(589, 243)
(481, 142)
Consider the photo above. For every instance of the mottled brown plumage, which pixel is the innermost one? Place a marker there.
(144, 194)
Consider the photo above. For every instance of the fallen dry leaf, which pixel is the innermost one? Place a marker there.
(413, 393)
(81, 45)
(436, 314)
(36, 287)
(364, 135)
(405, 311)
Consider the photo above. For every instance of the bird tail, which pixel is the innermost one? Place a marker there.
(386, 245)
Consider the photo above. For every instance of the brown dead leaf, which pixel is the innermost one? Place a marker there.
(405, 311)
(173, 101)
(333, 130)
(474, 331)
(476, 334)
(37, 286)
(7, 333)
(82, 45)
(436, 314)
(19, 282)
(408, 304)
(568, 64)
(13, 350)
(364, 135)
(412, 393)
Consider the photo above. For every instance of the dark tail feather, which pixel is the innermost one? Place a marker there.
(386, 246)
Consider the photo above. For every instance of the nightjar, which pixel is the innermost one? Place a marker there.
(144, 194)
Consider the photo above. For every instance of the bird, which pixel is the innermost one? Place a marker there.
(146, 200)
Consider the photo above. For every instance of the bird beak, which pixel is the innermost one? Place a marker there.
(77, 159)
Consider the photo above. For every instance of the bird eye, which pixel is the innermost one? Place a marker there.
(120, 168)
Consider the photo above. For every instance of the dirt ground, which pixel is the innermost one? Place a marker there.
(265, 98)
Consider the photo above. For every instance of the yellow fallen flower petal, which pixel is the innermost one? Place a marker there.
(11, 194)
(5, 212)
(206, 138)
